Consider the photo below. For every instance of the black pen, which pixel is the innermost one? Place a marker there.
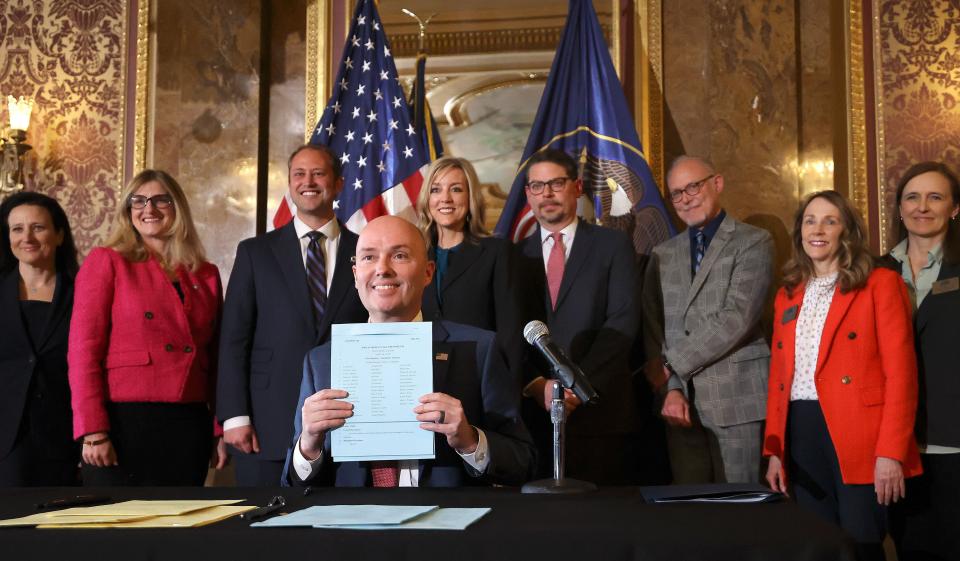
(79, 500)
(274, 505)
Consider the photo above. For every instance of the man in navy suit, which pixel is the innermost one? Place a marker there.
(474, 409)
(581, 280)
(287, 288)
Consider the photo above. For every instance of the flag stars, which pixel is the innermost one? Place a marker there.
(394, 125)
(356, 112)
(367, 138)
(348, 62)
(384, 75)
(345, 158)
(386, 147)
(386, 51)
(358, 184)
(366, 66)
(376, 26)
(336, 204)
(378, 95)
(410, 130)
(336, 107)
(331, 129)
(362, 162)
(356, 41)
(382, 167)
(343, 84)
(372, 116)
(369, 44)
(361, 89)
(396, 102)
(349, 136)
(407, 152)
(361, 20)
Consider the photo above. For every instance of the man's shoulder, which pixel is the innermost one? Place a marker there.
(461, 332)
(749, 232)
(319, 353)
(267, 238)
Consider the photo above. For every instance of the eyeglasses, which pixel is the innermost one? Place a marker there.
(691, 189)
(556, 184)
(159, 201)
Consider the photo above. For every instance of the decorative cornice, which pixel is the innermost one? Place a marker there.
(487, 41)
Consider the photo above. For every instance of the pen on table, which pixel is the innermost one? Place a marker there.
(274, 505)
(78, 500)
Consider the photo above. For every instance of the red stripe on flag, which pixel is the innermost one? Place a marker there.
(516, 221)
(374, 208)
(412, 186)
(283, 215)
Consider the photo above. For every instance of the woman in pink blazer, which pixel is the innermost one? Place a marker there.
(143, 340)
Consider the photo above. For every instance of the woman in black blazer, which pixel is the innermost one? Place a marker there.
(472, 283)
(924, 526)
(38, 261)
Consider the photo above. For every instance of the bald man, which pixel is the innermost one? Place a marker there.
(474, 409)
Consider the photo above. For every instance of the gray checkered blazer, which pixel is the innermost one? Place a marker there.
(711, 323)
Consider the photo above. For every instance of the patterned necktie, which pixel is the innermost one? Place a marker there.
(317, 275)
(385, 474)
(555, 265)
(698, 252)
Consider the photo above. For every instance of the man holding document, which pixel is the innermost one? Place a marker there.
(473, 409)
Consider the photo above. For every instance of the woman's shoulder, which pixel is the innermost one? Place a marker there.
(883, 277)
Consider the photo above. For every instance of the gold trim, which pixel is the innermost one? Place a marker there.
(318, 79)
(124, 67)
(648, 83)
(142, 87)
(881, 186)
(856, 113)
(615, 37)
(453, 108)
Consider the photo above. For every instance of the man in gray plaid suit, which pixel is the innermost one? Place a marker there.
(711, 282)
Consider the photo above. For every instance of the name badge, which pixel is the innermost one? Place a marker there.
(946, 285)
(790, 314)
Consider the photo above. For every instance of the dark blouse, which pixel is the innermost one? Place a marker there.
(442, 258)
(35, 315)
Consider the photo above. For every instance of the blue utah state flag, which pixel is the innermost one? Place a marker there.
(584, 112)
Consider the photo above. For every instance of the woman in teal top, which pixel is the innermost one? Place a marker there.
(928, 257)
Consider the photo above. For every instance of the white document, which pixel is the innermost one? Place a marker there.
(440, 519)
(385, 368)
(349, 515)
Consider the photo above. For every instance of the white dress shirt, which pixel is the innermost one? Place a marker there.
(567, 235)
(409, 469)
(331, 243)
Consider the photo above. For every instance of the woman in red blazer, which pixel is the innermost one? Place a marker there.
(842, 394)
(143, 340)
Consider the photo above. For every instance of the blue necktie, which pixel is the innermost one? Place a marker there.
(698, 251)
(317, 275)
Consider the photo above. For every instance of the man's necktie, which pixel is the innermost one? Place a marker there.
(317, 275)
(698, 251)
(385, 474)
(555, 265)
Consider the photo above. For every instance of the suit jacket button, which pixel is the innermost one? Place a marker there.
(852, 335)
(779, 344)
(845, 380)
(685, 332)
(148, 315)
(188, 349)
(781, 387)
(168, 347)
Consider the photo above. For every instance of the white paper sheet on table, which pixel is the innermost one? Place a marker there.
(440, 519)
(340, 515)
(385, 368)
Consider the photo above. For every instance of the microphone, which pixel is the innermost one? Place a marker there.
(564, 369)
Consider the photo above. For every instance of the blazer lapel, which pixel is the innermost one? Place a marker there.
(838, 309)
(922, 314)
(342, 277)
(60, 308)
(719, 241)
(789, 338)
(582, 244)
(10, 298)
(467, 255)
(286, 248)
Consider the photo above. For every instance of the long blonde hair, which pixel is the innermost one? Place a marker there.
(183, 247)
(474, 228)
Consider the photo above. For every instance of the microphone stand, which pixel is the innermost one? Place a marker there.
(559, 484)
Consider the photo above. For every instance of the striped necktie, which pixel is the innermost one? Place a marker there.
(317, 275)
(698, 251)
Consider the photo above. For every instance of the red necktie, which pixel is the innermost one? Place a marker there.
(555, 264)
(385, 474)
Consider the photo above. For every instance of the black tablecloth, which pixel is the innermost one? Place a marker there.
(612, 524)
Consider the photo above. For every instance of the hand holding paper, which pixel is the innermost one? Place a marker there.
(441, 413)
(322, 411)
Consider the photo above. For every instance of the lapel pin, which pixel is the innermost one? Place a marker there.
(442, 356)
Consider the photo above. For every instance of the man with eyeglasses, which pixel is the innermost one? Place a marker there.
(710, 283)
(287, 288)
(580, 279)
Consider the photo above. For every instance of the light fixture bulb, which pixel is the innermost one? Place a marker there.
(19, 112)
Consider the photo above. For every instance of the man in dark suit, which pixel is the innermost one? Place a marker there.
(581, 280)
(287, 288)
(474, 408)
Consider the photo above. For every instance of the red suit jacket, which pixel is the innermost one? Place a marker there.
(866, 376)
(133, 340)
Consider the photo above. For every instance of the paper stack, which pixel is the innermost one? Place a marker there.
(135, 514)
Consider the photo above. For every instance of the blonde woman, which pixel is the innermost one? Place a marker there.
(143, 339)
(472, 282)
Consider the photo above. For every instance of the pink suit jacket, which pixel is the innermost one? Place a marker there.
(133, 340)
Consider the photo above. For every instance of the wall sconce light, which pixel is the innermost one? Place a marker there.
(11, 167)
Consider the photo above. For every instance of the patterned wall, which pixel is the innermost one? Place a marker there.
(67, 55)
(920, 55)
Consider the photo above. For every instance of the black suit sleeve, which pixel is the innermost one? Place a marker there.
(236, 338)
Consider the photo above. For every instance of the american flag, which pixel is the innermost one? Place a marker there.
(367, 122)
